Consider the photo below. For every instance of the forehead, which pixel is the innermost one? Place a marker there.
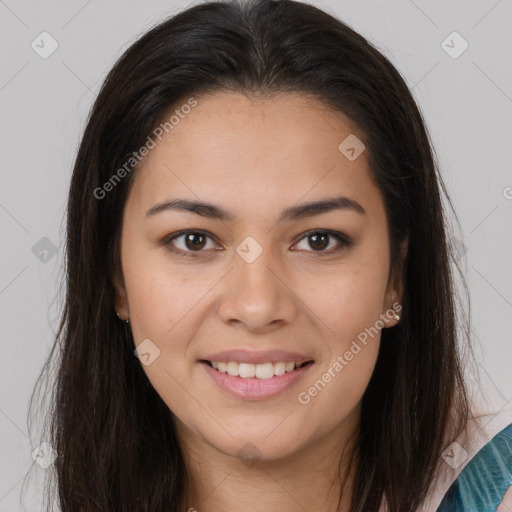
(254, 151)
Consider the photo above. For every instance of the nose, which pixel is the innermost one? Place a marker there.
(257, 295)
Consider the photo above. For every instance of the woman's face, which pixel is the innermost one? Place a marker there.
(257, 282)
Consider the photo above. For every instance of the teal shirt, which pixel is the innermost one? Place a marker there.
(482, 483)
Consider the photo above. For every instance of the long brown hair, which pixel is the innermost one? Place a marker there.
(114, 436)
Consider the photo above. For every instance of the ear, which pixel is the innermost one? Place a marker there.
(394, 292)
(121, 300)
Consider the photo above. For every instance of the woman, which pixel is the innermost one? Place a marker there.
(260, 312)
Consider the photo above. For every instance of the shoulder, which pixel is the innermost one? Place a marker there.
(482, 484)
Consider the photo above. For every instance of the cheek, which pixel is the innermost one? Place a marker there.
(164, 309)
(338, 384)
(160, 297)
(349, 300)
(349, 304)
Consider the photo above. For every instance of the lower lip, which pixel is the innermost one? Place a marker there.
(253, 388)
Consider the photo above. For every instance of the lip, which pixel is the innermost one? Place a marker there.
(259, 357)
(253, 388)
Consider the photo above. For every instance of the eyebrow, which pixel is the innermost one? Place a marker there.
(300, 211)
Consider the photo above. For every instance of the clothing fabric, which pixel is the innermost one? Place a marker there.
(483, 483)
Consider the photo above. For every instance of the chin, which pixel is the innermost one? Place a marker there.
(253, 446)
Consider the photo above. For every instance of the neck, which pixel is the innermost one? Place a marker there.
(311, 479)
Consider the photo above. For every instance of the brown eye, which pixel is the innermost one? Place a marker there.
(192, 242)
(320, 240)
(195, 241)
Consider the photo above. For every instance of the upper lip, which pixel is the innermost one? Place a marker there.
(257, 357)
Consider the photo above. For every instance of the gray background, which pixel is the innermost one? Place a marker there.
(466, 101)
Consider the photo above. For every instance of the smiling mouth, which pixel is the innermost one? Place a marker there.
(259, 371)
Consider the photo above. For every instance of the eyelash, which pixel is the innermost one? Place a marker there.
(345, 242)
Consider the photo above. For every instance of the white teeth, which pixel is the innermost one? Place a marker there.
(248, 370)
(233, 368)
(279, 368)
(265, 370)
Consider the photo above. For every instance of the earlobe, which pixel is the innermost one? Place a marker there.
(120, 303)
(394, 296)
(119, 316)
(393, 315)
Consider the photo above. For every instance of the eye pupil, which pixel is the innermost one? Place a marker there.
(195, 241)
(323, 244)
(190, 237)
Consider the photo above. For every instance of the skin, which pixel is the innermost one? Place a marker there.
(256, 157)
